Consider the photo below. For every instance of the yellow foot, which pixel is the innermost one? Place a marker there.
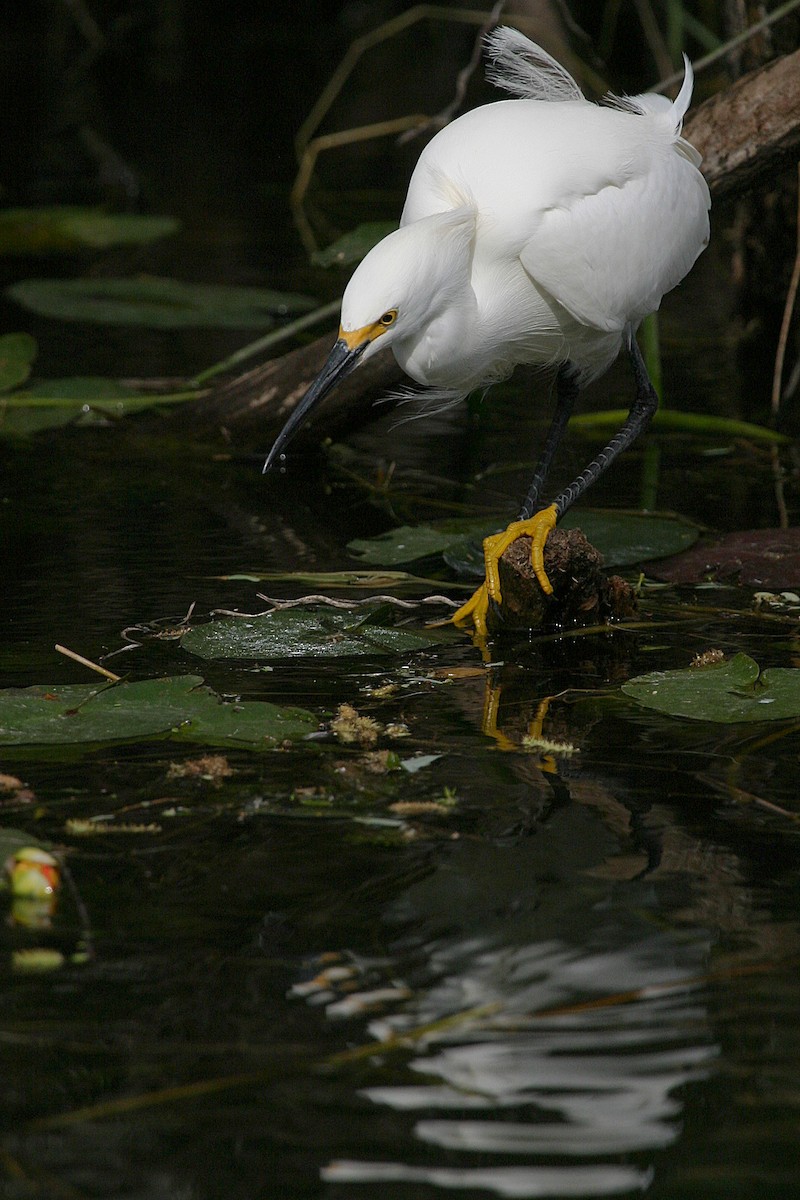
(537, 528)
(475, 611)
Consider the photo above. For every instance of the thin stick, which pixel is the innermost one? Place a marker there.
(390, 29)
(788, 312)
(777, 374)
(653, 37)
(721, 51)
(87, 662)
(269, 340)
(462, 80)
(331, 141)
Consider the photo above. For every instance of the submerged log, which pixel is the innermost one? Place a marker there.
(252, 408)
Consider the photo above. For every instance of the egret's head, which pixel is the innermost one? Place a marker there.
(406, 280)
(399, 286)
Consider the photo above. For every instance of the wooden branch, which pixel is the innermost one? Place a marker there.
(252, 408)
(751, 128)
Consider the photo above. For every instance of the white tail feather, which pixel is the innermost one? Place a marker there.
(521, 67)
(652, 104)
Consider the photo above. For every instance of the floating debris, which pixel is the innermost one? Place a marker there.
(352, 729)
(34, 872)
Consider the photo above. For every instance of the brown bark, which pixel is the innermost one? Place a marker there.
(252, 408)
(751, 128)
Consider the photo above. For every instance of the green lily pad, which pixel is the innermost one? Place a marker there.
(306, 633)
(626, 538)
(67, 229)
(156, 302)
(410, 542)
(17, 353)
(86, 399)
(79, 389)
(351, 247)
(623, 538)
(178, 707)
(727, 692)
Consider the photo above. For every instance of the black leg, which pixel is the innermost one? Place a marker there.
(641, 414)
(566, 394)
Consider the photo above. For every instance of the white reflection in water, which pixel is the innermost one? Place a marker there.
(580, 1024)
(586, 1083)
(503, 1181)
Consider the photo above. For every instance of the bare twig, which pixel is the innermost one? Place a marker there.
(462, 80)
(653, 36)
(390, 29)
(308, 147)
(777, 374)
(788, 312)
(331, 141)
(715, 55)
(87, 662)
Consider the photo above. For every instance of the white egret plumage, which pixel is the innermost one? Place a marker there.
(540, 229)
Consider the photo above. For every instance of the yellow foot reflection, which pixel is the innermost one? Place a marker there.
(537, 528)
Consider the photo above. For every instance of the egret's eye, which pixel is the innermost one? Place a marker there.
(388, 318)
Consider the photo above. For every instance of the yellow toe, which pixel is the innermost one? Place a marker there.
(474, 611)
(537, 528)
(543, 523)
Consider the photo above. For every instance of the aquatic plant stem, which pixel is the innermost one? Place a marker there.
(777, 374)
(268, 341)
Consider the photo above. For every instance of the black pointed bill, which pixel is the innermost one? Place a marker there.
(341, 361)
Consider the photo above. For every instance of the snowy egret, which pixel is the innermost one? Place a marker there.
(540, 229)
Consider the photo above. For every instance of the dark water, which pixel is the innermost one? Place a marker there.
(577, 976)
(578, 979)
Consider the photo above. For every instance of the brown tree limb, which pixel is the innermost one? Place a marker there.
(751, 128)
(250, 409)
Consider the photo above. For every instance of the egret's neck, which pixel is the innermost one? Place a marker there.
(438, 353)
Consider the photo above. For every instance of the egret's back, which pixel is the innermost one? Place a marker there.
(603, 207)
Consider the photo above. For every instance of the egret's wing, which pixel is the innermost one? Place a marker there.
(610, 254)
(521, 67)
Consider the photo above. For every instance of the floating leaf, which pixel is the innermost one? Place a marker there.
(622, 538)
(351, 247)
(56, 402)
(306, 633)
(17, 352)
(178, 707)
(80, 389)
(727, 692)
(762, 558)
(156, 302)
(67, 229)
(625, 538)
(410, 542)
(12, 840)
